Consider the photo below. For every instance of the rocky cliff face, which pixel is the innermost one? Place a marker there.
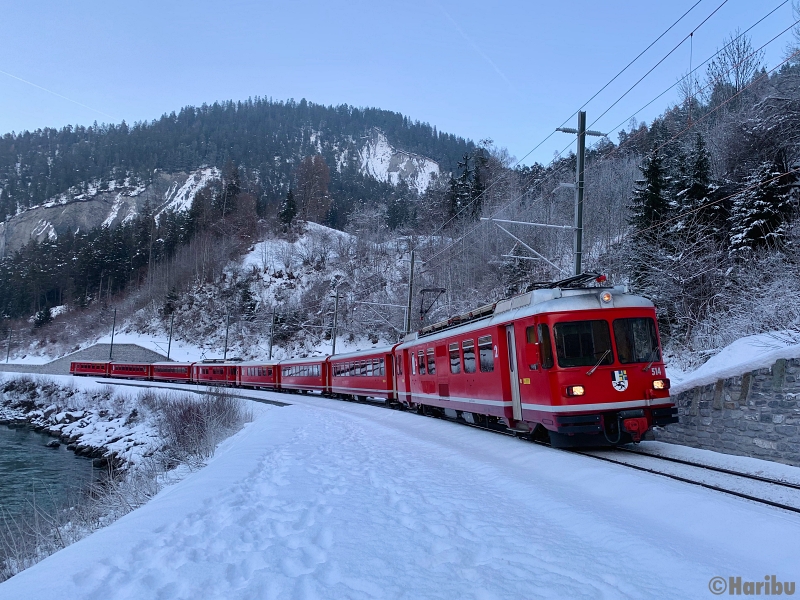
(379, 159)
(97, 207)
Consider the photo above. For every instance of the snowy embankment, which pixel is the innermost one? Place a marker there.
(94, 420)
(745, 354)
(327, 499)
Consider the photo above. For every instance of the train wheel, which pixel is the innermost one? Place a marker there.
(361, 398)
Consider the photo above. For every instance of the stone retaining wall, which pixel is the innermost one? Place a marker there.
(756, 414)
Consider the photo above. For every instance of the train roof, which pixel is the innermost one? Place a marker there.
(301, 361)
(358, 354)
(173, 363)
(262, 363)
(541, 301)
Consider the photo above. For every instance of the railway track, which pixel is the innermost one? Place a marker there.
(772, 492)
(763, 490)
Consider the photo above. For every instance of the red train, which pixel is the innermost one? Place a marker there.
(572, 366)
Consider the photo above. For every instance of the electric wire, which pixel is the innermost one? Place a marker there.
(552, 133)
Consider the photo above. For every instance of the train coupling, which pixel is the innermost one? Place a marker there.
(634, 422)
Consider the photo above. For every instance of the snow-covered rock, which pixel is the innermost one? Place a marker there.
(379, 159)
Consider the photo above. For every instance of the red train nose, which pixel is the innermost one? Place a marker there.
(636, 427)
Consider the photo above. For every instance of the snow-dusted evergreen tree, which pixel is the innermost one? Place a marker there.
(649, 204)
(760, 212)
(694, 191)
(288, 209)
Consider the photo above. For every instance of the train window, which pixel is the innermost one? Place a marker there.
(530, 335)
(486, 353)
(455, 358)
(421, 362)
(636, 340)
(399, 361)
(369, 368)
(469, 355)
(381, 367)
(431, 362)
(363, 368)
(583, 343)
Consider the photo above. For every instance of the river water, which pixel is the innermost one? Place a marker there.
(30, 471)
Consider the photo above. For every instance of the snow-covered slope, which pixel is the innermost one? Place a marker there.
(379, 159)
(326, 499)
(181, 198)
(745, 354)
(105, 205)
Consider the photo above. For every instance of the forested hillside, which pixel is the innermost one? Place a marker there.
(696, 210)
(266, 138)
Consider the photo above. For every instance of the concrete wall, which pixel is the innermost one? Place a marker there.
(756, 414)
(60, 366)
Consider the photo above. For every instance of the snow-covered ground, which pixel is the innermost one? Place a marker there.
(327, 499)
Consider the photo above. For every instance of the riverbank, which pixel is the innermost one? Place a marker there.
(93, 420)
(146, 438)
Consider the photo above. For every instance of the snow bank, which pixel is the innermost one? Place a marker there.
(326, 499)
(743, 355)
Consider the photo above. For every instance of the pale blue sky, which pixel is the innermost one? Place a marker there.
(509, 71)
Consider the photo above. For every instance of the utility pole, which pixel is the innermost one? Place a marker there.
(410, 294)
(8, 349)
(227, 327)
(579, 184)
(271, 333)
(113, 328)
(335, 320)
(171, 323)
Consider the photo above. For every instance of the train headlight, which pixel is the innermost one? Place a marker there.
(605, 297)
(661, 384)
(575, 390)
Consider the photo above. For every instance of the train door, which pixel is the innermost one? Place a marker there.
(513, 371)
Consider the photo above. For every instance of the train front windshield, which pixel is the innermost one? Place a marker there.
(636, 340)
(583, 343)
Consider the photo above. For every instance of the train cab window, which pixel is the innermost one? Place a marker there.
(468, 346)
(636, 340)
(455, 358)
(583, 343)
(421, 362)
(431, 362)
(486, 353)
(541, 335)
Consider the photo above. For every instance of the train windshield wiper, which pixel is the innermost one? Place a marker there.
(594, 368)
(654, 354)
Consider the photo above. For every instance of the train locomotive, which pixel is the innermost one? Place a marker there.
(571, 366)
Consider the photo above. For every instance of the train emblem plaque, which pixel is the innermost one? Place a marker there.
(619, 379)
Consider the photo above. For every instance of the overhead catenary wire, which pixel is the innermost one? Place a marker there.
(614, 78)
(654, 67)
(515, 199)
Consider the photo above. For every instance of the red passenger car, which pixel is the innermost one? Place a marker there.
(577, 366)
(215, 372)
(172, 371)
(258, 375)
(123, 370)
(364, 374)
(305, 374)
(98, 368)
